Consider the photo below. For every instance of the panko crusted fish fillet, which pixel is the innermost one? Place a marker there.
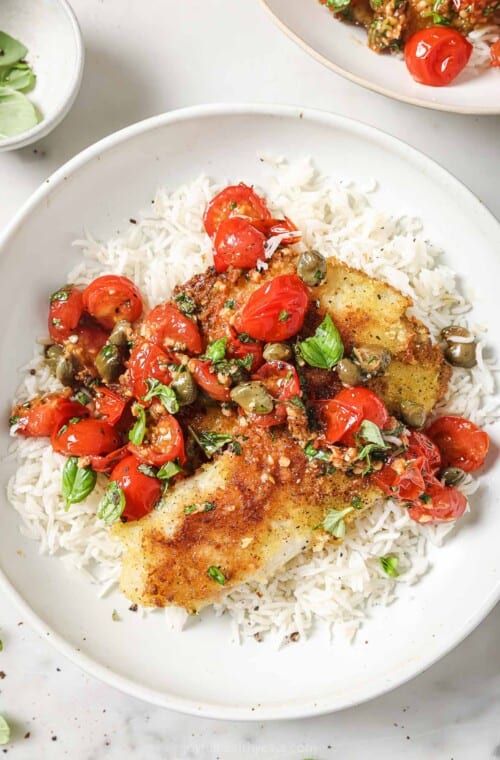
(248, 515)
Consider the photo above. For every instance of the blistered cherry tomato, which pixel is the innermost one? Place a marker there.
(235, 200)
(272, 227)
(85, 438)
(407, 486)
(40, 416)
(420, 445)
(167, 326)
(239, 244)
(435, 56)
(106, 462)
(276, 310)
(446, 504)
(112, 298)
(108, 404)
(239, 349)
(461, 443)
(141, 491)
(165, 443)
(367, 404)
(147, 361)
(277, 417)
(206, 377)
(66, 308)
(280, 379)
(339, 418)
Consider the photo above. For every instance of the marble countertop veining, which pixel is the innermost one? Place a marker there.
(137, 66)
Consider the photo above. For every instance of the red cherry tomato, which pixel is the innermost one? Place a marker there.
(407, 486)
(165, 443)
(166, 326)
(235, 200)
(238, 349)
(435, 56)
(446, 504)
(106, 462)
(461, 443)
(85, 438)
(206, 378)
(272, 227)
(339, 419)
(90, 341)
(111, 298)
(276, 310)
(367, 404)
(147, 361)
(40, 416)
(495, 54)
(420, 445)
(66, 308)
(239, 244)
(280, 379)
(277, 417)
(108, 404)
(141, 491)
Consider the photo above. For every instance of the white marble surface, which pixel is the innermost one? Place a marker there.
(148, 56)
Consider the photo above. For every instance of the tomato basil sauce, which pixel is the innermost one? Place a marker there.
(136, 384)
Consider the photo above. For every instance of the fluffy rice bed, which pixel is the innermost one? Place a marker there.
(167, 245)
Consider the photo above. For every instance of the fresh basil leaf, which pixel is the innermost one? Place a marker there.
(112, 504)
(370, 432)
(211, 442)
(185, 303)
(235, 447)
(338, 5)
(313, 453)
(77, 482)
(83, 398)
(14, 420)
(11, 50)
(216, 350)
(297, 401)
(168, 471)
(147, 469)
(4, 731)
(138, 431)
(17, 113)
(60, 295)
(334, 522)
(325, 348)
(164, 393)
(208, 506)
(425, 497)
(230, 303)
(390, 566)
(216, 575)
(189, 510)
(356, 503)
(245, 363)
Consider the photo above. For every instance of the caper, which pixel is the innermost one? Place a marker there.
(253, 397)
(372, 360)
(120, 333)
(452, 331)
(349, 373)
(311, 267)
(185, 388)
(277, 352)
(452, 476)
(65, 371)
(461, 354)
(413, 414)
(109, 364)
(53, 354)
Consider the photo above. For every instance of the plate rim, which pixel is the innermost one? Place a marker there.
(127, 685)
(366, 83)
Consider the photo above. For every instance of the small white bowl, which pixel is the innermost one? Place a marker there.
(50, 31)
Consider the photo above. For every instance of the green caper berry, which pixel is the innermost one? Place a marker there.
(280, 352)
(311, 268)
(413, 414)
(253, 397)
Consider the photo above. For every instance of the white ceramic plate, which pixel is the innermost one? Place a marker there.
(201, 671)
(343, 48)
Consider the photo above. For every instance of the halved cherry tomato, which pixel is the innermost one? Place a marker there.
(166, 443)
(147, 361)
(238, 349)
(206, 377)
(239, 244)
(435, 56)
(280, 379)
(141, 491)
(40, 416)
(277, 417)
(276, 310)
(166, 325)
(108, 404)
(495, 54)
(91, 339)
(461, 443)
(407, 486)
(446, 504)
(420, 445)
(111, 298)
(234, 200)
(272, 227)
(85, 438)
(66, 308)
(106, 462)
(367, 404)
(339, 419)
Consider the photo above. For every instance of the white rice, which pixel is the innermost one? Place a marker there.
(337, 585)
(481, 41)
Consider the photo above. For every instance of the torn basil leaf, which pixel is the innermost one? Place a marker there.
(390, 566)
(211, 442)
(138, 431)
(334, 522)
(216, 351)
(325, 348)
(77, 482)
(168, 470)
(312, 453)
(164, 393)
(216, 575)
(112, 504)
